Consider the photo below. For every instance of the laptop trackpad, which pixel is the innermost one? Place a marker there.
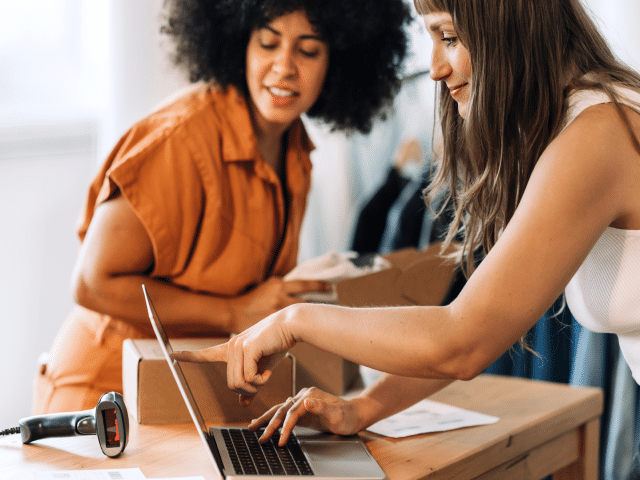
(330, 451)
(341, 459)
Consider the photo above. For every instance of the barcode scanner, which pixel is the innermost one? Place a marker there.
(109, 421)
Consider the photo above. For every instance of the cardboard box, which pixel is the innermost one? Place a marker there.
(416, 277)
(318, 368)
(152, 395)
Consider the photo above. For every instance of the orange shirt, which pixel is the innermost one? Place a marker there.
(213, 208)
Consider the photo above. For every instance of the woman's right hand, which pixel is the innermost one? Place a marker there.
(311, 407)
(271, 296)
(251, 355)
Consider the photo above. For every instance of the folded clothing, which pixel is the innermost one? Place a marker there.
(333, 267)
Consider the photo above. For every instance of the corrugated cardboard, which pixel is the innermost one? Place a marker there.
(416, 277)
(152, 396)
(317, 368)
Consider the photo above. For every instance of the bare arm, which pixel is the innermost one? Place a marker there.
(314, 408)
(577, 189)
(116, 257)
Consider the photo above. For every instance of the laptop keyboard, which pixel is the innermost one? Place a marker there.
(252, 458)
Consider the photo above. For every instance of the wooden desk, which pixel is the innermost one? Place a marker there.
(543, 428)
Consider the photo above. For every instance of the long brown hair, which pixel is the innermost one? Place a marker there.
(526, 56)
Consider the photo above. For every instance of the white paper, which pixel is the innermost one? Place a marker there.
(428, 416)
(179, 478)
(106, 474)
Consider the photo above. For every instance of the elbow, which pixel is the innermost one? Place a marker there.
(462, 351)
(83, 289)
(80, 292)
(463, 370)
(468, 372)
(462, 362)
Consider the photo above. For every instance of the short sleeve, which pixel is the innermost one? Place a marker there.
(154, 170)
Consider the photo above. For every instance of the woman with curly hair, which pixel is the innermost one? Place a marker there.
(203, 200)
(540, 155)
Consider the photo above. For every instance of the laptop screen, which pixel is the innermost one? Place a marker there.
(174, 364)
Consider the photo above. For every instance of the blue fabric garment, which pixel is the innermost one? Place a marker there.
(567, 353)
(598, 362)
(634, 472)
(406, 215)
(551, 339)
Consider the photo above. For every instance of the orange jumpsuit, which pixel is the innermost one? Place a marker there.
(215, 213)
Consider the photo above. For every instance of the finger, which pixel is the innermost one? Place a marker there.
(276, 421)
(248, 366)
(237, 378)
(294, 414)
(217, 353)
(231, 364)
(260, 379)
(264, 418)
(296, 287)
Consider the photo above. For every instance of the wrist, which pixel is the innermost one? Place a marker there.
(364, 410)
(230, 316)
(292, 322)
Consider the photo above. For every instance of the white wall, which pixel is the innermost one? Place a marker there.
(618, 20)
(39, 199)
(46, 162)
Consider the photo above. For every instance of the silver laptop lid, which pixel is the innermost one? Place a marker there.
(178, 374)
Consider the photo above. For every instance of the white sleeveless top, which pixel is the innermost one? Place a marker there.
(604, 294)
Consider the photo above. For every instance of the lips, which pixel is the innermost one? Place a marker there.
(455, 91)
(282, 92)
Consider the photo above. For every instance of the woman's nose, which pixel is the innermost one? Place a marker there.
(440, 68)
(284, 62)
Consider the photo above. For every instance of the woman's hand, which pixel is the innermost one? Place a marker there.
(270, 296)
(251, 355)
(313, 408)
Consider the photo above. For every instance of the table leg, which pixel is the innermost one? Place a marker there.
(586, 468)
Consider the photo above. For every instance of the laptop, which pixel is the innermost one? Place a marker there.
(236, 453)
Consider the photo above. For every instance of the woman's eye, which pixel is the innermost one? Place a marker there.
(268, 46)
(310, 53)
(450, 41)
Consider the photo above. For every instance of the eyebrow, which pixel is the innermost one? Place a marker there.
(434, 27)
(302, 37)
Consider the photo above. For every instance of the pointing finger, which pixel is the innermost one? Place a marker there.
(217, 353)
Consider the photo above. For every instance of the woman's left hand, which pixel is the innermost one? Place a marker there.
(311, 407)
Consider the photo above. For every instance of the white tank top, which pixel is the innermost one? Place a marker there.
(604, 294)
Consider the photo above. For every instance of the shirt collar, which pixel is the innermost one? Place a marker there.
(239, 142)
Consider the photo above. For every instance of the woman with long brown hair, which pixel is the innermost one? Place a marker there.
(539, 128)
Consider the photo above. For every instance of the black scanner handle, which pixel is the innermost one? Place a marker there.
(58, 425)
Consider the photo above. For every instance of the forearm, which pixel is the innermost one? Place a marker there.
(391, 394)
(183, 312)
(426, 342)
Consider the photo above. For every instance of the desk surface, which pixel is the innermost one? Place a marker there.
(541, 430)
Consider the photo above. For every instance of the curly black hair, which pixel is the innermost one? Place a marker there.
(367, 46)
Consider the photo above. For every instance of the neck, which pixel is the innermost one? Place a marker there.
(270, 147)
(269, 136)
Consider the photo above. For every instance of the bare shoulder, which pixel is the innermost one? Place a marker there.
(599, 151)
